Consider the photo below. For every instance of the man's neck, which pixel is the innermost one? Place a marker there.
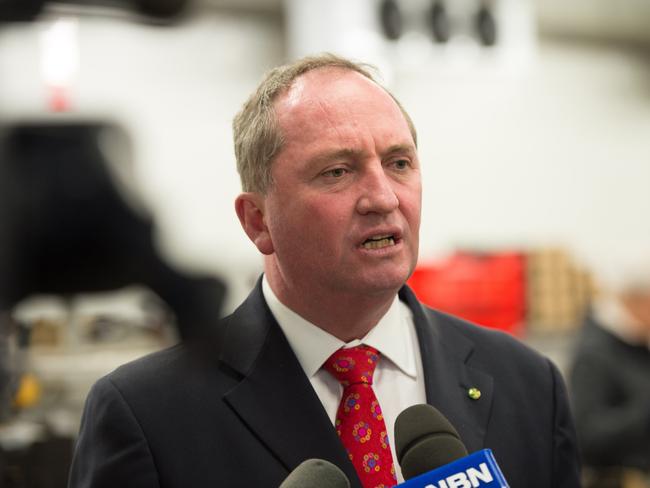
(345, 315)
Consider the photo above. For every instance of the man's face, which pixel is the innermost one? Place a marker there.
(343, 212)
(638, 303)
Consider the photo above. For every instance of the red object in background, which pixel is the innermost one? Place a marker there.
(485, 288)
(58, 98)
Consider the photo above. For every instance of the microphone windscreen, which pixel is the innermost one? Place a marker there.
(425, 440)
(316, 473)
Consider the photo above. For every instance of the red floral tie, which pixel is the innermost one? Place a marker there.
(359, 421)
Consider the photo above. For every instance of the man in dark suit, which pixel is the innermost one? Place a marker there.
(332, 194)
(610, 380)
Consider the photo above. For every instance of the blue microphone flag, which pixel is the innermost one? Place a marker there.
(479, 469)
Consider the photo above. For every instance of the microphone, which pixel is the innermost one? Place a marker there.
(432, 455)
(316, 473)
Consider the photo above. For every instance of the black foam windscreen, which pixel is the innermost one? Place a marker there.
(425, 440)
(316, 473)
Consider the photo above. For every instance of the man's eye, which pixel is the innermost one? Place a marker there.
(401, 163)
(335, 173)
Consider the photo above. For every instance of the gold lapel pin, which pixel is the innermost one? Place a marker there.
(474, 393)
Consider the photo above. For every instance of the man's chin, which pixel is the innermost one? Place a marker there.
(381, 283)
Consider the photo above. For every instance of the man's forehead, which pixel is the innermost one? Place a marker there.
(313, 84)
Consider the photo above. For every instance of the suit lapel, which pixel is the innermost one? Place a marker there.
(448, 374)
(278, 404)
(275, 398)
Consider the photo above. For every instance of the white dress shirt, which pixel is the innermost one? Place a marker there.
(398, 380)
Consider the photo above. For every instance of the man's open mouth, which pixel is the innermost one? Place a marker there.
(378, 242)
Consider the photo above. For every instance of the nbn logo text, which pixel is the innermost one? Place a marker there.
(478, 470)
(471, 478)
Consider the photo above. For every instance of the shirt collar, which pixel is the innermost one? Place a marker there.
(312, 345)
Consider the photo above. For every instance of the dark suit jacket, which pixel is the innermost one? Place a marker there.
(247, 416)
(610, 382)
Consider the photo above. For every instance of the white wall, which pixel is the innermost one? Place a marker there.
(556, 153)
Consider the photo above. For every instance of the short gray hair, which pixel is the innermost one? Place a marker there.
(256, 131)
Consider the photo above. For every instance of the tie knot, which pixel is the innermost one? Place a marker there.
(353, 365)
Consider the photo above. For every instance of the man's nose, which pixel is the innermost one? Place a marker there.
(377, 194)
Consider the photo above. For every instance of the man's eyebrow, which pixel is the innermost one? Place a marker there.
(348, 153)
(327, 156)
(401, 148)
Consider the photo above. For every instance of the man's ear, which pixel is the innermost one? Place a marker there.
(250, 210)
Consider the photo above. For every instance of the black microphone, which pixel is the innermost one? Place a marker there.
(425, 440)
(316, 473)
(431, 453)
